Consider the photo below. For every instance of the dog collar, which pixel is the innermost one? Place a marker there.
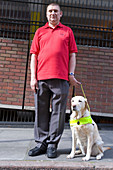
(81, 121)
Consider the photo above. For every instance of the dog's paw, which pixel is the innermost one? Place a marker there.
(78, 152)
(86, 158)
(70, 156)
(98, 157)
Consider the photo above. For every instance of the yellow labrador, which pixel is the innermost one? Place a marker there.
(84, 131)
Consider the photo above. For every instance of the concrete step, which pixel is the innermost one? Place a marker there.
(53, 165)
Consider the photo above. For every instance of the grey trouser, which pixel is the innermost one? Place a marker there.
(48, 126)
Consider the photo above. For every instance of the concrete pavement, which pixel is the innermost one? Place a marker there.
(16, 142)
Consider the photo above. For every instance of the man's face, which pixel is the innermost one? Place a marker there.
(53, 14)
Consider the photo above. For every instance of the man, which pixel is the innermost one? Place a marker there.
(52, 70)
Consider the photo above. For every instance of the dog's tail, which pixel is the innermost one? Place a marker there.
(106, 148)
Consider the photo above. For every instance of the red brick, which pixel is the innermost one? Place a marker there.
(17, 49)
(6, 102)
(18, 42)
(11, 99)
(10, 59)
(8, 95)
(26, 42)
(9, 74)
(2, 91)
(20, 60)
(16, 103)
(5, 55)
(3, 98)
(19, 74)
(10, 66)
(8, 88)
(12, 92)
(15, 70)
(4, 76)
(6, 48)
(11, 52)
(21, 53)
(12, 45)
(23, 46)
(7, 40)
(2, 51)
(20, 67)
(2, 44)
(109, 54)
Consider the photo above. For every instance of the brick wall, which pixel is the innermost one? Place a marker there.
(94, 69)
(12, 71)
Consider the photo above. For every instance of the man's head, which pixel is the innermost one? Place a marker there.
(53, 14)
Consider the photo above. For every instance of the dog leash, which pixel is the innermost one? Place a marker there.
(85, 96)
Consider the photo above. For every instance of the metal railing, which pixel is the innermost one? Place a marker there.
(19, 118)
(12, 117)
(90, 20)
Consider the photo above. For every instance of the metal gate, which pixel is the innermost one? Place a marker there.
(90, 20)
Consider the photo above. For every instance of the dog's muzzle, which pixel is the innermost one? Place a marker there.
(74, 108)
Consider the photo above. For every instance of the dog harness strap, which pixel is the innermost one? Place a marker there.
(81, 121)
(85, 97)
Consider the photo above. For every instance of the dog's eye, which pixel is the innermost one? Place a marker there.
(72, 101)
(80, 101)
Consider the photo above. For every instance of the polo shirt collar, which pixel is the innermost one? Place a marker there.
(47, 25)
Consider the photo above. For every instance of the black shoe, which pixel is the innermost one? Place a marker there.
(37, 151)
(51, 152)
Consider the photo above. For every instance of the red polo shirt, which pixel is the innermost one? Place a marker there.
(52, 47)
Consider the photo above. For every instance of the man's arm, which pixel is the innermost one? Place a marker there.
(72, 65)
(33, 67)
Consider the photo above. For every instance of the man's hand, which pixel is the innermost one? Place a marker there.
(73, 81)
(33, 84)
